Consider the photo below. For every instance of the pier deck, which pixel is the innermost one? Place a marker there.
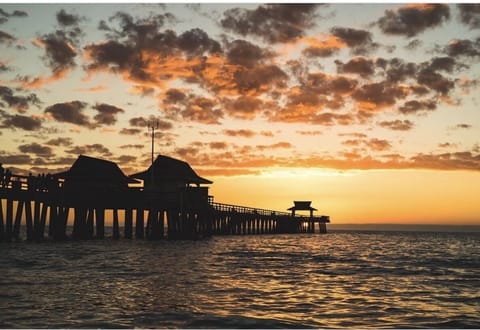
(49, 207)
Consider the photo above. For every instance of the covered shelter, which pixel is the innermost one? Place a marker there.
(167, 172)
(89, 173)
(174, 181)
(302, 206)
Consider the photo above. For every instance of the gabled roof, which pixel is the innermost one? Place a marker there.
(94, 170)
(167, 169)
(302, 206)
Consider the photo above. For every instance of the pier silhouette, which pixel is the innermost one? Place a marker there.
(168, 200)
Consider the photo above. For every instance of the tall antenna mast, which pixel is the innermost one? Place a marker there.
(153, 125)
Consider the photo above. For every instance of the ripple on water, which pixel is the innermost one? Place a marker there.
(287, 281)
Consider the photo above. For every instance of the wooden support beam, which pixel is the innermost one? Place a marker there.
(2, 227)
(80, 223)
(18, 220)
(139, 225)
(60, 230)
(323, 227)
(100, 222)
(42, 222)
(89, 223)
(9, 221)
(116, 229)
(54, 220)
(161, 224)
(36, 218)
(128, 227)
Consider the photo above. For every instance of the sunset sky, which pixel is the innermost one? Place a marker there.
(369, 110)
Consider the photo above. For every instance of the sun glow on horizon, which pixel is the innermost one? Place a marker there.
(273, 104)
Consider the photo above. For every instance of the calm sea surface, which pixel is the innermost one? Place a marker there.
(343, 279)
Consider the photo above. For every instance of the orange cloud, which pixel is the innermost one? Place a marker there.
(38, 82)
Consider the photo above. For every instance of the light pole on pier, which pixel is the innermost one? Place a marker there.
(153, 125)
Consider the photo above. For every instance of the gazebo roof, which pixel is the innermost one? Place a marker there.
(302, 206)
(94, 170)
(167, 169)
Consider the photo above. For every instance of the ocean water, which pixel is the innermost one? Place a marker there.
(343, 279)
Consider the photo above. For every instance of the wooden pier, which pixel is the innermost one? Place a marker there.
(52, 206)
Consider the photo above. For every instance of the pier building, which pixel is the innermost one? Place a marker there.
(167, 200)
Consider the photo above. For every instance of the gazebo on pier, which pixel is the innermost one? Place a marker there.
(302, 206)
(306, 206)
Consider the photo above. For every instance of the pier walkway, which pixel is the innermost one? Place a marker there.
(47, 207)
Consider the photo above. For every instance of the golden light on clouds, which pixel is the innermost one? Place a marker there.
(304, 105)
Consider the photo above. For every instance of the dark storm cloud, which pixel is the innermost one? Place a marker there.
(20, 103)
(360, 41)
(6, 38)
(173, 96)
(259, 78)
(69, 112)
(61, 141)
(414, 44)
(279, 145)
(331, 118)
(463, 47)
(455, 160)
(244, 53)
(415, 106)
(469, 14)
(397, 125)
(36, 149)
(111, 52)
(137, 44)
(20, 159)
(23, 122)
(4, 16)
(398, 70)
(378, 144)
(411, 19)
(125, 159)
(446, 145)
(380, 94)
(319, 51)
(4, 67)
(322, 84)
(131, 131)
(132, 146)
(202, 110)
(196, 42)
(446, 64)
(15, 13)
(65, 19)
(59, 52)
(419, 90)
(136, 29)
(218, 145)
(463, 126)
(95, 148)
(61, 46)
(107, 114)
(272, 22)
(146, 122)
(359, 65)
(435, 81)
(102, 25)
(244, 107)
(239, 132)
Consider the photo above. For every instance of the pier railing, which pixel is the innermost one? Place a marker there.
(43, 203)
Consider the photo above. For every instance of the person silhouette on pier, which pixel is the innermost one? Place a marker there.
(8, 176)
(2, 173)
